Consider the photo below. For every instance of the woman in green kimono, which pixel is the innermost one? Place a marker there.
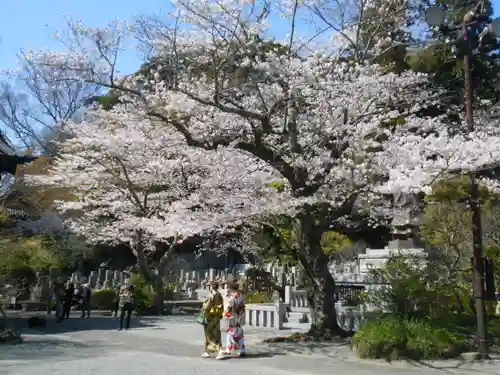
(213, 307)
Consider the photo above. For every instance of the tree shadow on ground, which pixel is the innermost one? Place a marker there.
(42, 348)
(77, 324)
(328, 349)
(450, 367)
(252, 355)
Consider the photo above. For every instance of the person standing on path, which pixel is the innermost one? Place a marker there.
(235, 314)
(127, 300)
(58, 299)
(116, 300)
(86, 296)
(69, 295)
(213, 308)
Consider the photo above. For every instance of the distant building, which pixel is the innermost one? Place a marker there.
(9, 163)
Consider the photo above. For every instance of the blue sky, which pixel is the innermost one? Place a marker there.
(26, 24)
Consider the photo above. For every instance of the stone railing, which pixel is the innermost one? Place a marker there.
(295, 298)
(266, 315)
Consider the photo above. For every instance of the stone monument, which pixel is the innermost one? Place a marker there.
(406, 212)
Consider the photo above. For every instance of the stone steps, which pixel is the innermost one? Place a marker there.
(295, 317)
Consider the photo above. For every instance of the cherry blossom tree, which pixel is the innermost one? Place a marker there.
(131, 182)
(203, 138)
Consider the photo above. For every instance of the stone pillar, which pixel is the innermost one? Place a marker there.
(288, 295)
(211, 274)
(181, 276)
(279, 313)
(101, 276)
(108, 280)
(93, 278)
(121, 280)
(117, 277)
(223, 276)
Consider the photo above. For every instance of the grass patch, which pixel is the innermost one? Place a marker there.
(257, 297)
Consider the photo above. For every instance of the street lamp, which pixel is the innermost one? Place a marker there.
(467, 43)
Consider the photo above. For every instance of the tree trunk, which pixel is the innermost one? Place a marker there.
(320, 284)
(150, 276)
(159, 289)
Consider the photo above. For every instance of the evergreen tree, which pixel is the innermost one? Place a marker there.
(442, 58)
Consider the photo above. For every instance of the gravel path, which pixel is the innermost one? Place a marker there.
(172, 345)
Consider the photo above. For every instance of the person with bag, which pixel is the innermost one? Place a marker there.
(235, 315)
(127, 300)
(210, 317)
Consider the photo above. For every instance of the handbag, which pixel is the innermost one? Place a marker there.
(202, 318)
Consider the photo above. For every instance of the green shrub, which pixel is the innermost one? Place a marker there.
(426, 341)
(144, 296)
(415, 287)
(257, 297)
(395, 337)
(103, 299)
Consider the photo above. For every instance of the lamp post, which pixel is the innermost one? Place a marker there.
(466, 43)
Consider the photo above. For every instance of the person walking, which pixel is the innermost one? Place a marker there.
(116, 300)
(86, 296)
(48, 295)
(235, 314)
(213, 308)
(59, 299)
(126, 304)
(69, 295)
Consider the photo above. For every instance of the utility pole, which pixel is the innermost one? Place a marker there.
(467, 42)
(478, 279)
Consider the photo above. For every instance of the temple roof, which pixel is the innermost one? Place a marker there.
(9, 162)
(5, 146)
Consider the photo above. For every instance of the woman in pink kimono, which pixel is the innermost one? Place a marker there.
(235, 315)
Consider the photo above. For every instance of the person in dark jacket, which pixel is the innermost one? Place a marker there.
(116, 300)
(59, 299)
(69, 295)
(86, 296)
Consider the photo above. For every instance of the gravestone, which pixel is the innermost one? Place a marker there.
(101, 276)
(117, 276)
(211, 274)
(93, 279)
(108, 280)
(406, 213)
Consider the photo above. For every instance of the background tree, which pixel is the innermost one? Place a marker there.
(35, 101)
(439, 56)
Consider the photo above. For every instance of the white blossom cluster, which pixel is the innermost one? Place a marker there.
(221, 131)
